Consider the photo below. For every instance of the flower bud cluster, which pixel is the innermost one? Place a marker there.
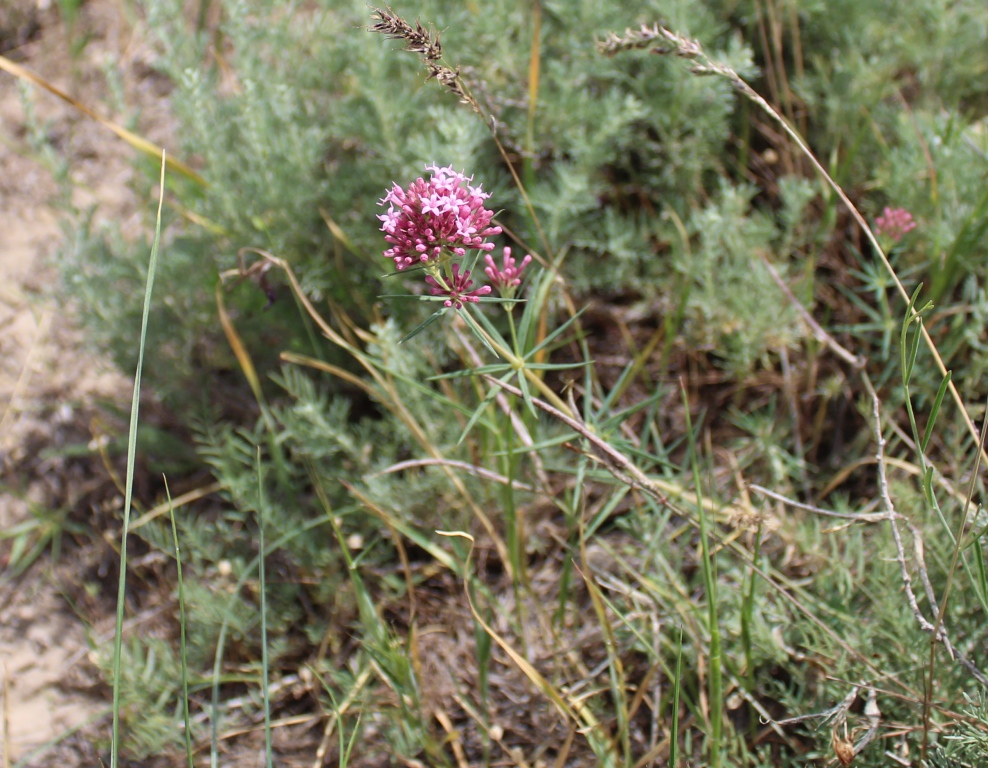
(433, 222)
(894, 223)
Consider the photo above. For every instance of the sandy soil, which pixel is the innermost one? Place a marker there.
(50, 385)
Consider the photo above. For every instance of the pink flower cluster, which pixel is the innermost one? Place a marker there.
(445, 213)
(433, 222)
(894, 223)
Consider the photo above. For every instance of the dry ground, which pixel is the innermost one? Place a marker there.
(50, 384)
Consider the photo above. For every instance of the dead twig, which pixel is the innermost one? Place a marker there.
(860, 517)
(938, 632)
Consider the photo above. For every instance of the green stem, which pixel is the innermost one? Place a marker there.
(518, 363)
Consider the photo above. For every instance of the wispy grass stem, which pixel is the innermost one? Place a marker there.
(129, 484)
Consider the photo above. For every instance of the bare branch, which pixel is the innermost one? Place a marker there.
(872, 517)
(883, 487)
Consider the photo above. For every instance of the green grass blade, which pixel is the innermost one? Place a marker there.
(225, 625)
(965, 244)
(979, 561)
(423, 325)
(129, 483)
(533, 308)
(264, 614)
(488, 326)
(181, 622)
(716, 682)
(935, 411)
(478, 412)
(907, 355)
(677, 685)
(492, 369)
(475, 329)
(527, 396)
(554, 335)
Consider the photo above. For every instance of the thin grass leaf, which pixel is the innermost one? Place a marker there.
(608, 509)
(616, 678)
(935, 411)
(534, 68)
(246, 363)
(492, 369)
(526, 395)
(183, 650)
(479, 412)
(621, 416)
(979, 563)
(677, 685)
(710, 584)
(129, 483)
(482, 319)
(906, 352)
(558, 366)
(554, 335)
(541, 445)
(627, 372)
(423, 325)
(748, 609)
(532, 308)
(265, 692)
(977, 536)
(430, 392)
(468, 318)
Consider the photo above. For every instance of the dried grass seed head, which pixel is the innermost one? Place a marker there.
(417, 40)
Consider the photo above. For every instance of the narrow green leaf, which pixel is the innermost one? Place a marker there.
(422, 326)
(129, 482)
(554, 335)
(477, 332)
(907, 322)
(527, 395)
(183, 650)
(935, 411)
(262, 586)
(492, 369)
(677, 685)
(478, 412)
(493, 332)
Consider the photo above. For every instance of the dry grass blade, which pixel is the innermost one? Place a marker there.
(178, 501)
(471, 468)
(453, 737)
(818, 332)
(239, 350)
(137, 142)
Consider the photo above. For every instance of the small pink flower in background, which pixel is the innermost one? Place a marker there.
(445, 213)
(894, 223)
(458, 290)
(508, 277)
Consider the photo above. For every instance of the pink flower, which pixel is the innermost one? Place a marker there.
(508, 277)
(444, 213)
(458, 290)
(894, 223)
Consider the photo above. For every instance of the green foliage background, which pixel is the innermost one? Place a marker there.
(660, 191)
